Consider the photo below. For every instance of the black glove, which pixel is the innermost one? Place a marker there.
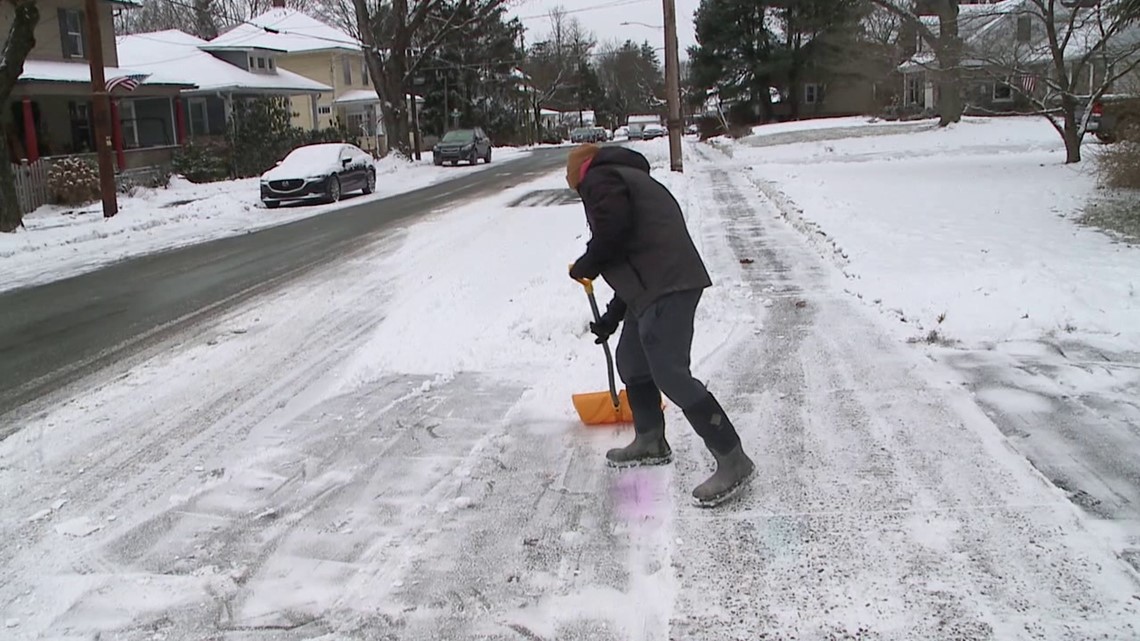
(608, 324)
(604, 329)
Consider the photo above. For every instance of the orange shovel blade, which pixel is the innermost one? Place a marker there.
(597, 408)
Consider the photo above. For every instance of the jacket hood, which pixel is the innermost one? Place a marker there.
(620, 156)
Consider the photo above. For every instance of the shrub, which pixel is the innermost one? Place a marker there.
(1119, 165)
(73, 181)
(203, 163)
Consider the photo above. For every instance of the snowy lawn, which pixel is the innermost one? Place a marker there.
(968, 231)
(967, 242)
(58, 242)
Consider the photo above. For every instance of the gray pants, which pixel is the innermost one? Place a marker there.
(655, 347)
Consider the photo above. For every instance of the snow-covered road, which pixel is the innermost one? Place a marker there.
(385, 449)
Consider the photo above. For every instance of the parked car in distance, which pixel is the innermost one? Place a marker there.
(462, 144)
(635, 131)
(621, 132)
(324, 172)
(653, 131)
(586, 134)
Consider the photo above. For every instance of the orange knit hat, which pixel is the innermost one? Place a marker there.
(579, 156)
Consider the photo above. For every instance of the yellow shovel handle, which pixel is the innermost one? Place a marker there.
(585, 282)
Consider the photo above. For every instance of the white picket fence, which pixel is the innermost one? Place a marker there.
(31, 184)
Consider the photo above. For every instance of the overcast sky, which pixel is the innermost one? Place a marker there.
(604, 18)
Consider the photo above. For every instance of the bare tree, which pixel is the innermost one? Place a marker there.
(398, 37)
(1062, 57)
(20, 41)
(208, 18)
(549, 63)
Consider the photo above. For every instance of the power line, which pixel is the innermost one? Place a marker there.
(597, 7)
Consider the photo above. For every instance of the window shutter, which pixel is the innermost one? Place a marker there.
(82, 19)
(64, 40)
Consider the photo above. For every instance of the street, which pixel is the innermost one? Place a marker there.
(52, 334)
(381, 446)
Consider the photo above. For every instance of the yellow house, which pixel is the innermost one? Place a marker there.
(318, 51)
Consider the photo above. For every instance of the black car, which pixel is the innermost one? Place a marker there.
(323, 172)
(462, 144)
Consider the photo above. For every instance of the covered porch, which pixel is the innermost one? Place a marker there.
(52, 115)
(359, 110)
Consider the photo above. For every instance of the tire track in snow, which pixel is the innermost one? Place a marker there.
(886, 508)
(176, 529)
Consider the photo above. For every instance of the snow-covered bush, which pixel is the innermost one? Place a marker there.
(73, 181)
(202, 163)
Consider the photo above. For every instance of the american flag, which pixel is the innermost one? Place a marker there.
(1028, 82)
(128, 83)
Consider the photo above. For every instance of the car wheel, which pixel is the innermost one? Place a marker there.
(333, 189)
(438, 162)
(370, 182)
(488, 157)
(271, 204)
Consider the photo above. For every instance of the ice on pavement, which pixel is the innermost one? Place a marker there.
(388, 451)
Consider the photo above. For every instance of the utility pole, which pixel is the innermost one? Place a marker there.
(102, 108)
(672, 86)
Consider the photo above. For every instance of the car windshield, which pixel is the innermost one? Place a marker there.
(316, 157)
(459, 135)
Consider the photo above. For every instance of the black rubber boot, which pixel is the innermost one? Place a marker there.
(649, 446)
(734, 470)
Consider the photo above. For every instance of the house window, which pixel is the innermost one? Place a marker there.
(82, 134)
(199, 117)
(347, 65)
(251, 63)
(913, 90)
(71, 33)
(324, 110)
(813, 93)
(356, 124)
(128, 124)
(1003, 92)
(272, 64)
(261, 63)
(1024, 28)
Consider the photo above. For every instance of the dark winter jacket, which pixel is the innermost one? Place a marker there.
(639, 242)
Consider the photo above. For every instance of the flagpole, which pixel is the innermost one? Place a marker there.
(101, 103)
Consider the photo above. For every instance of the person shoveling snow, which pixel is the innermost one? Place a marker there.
(640, 245)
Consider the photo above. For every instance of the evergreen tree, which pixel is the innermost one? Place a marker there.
(734, 54)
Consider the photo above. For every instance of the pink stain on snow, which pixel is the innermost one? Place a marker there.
(638, 495)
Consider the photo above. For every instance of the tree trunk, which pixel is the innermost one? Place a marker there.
(21, 40)
(1071, 130)
(764, 95)
(949, 64)
(395, 109)
(11, 214)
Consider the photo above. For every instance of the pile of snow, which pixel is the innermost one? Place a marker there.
(814, 124)
(58, 242)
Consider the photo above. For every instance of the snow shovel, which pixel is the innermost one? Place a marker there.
(602, 408)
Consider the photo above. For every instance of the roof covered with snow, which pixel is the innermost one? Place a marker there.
(287, 30)
(176, 54)
(80, 72)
